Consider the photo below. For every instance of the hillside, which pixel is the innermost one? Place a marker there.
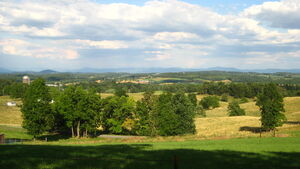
(216, 124)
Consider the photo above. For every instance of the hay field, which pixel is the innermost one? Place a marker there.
(135, 96)
(10, 115)
(216, 124)
(292, 108)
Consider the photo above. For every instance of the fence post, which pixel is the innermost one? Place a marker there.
(175, 162)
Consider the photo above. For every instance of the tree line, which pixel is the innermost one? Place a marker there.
(82, 112)
(237, 90)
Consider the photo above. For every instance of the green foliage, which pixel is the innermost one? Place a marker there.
(193, 98)
(210, 102)
(271, 106)
(79, 108)
(118, 114)
(16, 90)
(244, 100)
(36, 110)
(200, 111)
(145, 115)
(224, 97)
(234, 109)
(120, 92)
(174, 114)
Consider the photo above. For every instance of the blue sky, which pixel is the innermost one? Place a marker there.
(72, 34)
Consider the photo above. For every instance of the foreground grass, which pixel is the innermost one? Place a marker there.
(234, 153)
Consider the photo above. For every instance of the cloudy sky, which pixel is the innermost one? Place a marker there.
(72, 34)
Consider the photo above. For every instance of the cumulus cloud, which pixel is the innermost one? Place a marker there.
(27, 49)
(166, 32)
(283, 14)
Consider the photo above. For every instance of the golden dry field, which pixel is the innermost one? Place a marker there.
(10, 115)
(217, 124)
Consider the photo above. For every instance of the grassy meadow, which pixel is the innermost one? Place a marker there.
(270, 153)
(220, 142)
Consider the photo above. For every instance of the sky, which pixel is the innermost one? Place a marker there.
(74, 34)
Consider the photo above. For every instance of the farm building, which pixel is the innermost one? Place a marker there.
(11, 104)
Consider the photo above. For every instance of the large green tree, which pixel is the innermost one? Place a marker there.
(174, 114)
(80, 109)
(271, 105)
(145, 115)
(36, 110)
(118, 114)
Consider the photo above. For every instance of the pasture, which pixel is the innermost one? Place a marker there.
(275, 153)
(217, 124)
(220, 142)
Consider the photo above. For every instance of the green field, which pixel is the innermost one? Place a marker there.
(234, 153)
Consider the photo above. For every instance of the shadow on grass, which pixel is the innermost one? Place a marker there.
(293, 122)
(138, 156)
(252, 129)
(53, 137)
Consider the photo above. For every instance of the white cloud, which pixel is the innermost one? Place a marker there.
(283, 14)
(103, 44)
(23, 48)
(179, 33)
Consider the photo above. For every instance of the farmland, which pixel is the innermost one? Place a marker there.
(234, 153)
(232, 141)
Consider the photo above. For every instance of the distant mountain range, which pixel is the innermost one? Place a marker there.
(154, 70)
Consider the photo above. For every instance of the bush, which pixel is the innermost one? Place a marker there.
(200, 111)
(224, 98)
(234, 109)
(244, 100)
(210, 102)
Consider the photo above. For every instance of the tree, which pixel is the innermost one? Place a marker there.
(224, 97)
(145, 114)
(79, 108)
(270, 102)
(234, 109)
(17, 90)
(120, 92)
(91, 107)
(174, 114)
(165, 120)
(36, 110)
(200, 111)
(193, 98)
(210, 102)
(118, 114)
(186, 111)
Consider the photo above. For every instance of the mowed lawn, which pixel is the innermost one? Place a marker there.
(266, 153)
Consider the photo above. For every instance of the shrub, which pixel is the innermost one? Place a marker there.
(210, 102)
(234, 109)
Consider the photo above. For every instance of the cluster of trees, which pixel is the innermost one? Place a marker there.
(83, 111)
(237, 90)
